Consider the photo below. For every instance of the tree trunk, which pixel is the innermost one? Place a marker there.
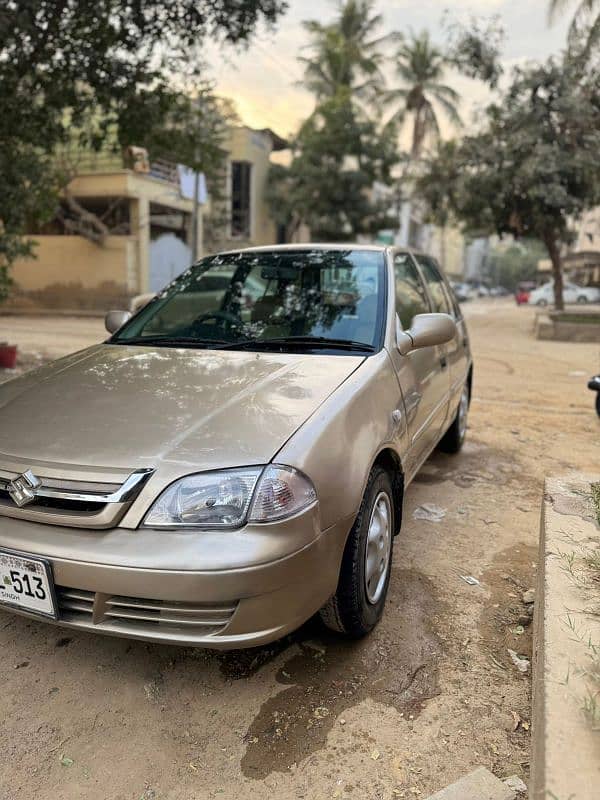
(443, 247)
(554, 252)
(418, 135)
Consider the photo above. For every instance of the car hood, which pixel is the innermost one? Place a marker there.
(117, 406)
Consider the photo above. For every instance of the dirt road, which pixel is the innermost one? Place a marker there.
(429, 696)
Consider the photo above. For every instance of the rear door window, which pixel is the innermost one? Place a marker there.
(411, 296)
(436, 285)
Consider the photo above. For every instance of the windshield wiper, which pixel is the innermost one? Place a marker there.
(308, 341)
(170, 341)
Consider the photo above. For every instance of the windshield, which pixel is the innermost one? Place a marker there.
(330, 297)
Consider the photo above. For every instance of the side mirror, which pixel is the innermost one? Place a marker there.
(426, 330)
(115, 320)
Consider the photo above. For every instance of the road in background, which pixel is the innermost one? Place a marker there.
(51, 336)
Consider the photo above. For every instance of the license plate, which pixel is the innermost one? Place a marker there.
(26, 583)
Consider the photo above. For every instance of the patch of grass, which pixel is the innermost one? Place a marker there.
(572, 316)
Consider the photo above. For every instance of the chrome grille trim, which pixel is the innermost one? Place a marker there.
(72, 503)
(123, 493)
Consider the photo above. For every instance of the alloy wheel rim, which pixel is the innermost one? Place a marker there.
(378, 548)
(463, 409)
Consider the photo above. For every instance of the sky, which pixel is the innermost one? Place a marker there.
(262, 79)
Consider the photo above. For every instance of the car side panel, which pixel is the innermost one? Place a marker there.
(339, 443)
(459, 356)
(457, 350)
(425, 388)
(425, 378)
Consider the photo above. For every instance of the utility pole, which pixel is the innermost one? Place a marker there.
(195, 211)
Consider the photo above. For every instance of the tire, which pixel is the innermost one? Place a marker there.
(582, 299)
(454, 438)
(356, 608)
(542, 302)
(598, 404)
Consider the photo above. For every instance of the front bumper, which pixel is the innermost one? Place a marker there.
(222, 591)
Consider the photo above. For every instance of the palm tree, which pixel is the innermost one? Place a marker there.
(586, 20)
(346, 53)
(420, 65)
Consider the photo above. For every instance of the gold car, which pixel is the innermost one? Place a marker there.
(233, 458)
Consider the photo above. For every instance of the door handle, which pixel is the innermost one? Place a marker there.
(443, 362)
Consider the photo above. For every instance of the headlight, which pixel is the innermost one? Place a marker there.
(282, 491)
(227, 498)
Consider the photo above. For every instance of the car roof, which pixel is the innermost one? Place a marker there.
(276, 248)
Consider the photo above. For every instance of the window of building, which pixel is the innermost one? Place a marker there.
(241, 174)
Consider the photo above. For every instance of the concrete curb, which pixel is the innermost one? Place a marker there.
(565, 746)
(478, 785)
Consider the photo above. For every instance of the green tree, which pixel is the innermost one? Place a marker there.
(437, 188)
(339, 156)
(345, 53)
(585, 27)
(342, 151)
(534, 167)
(420, 67)
(68, 64)
(515, 263)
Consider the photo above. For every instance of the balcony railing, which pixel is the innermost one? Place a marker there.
(136, 159)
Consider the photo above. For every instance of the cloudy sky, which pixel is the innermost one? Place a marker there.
(262, 80)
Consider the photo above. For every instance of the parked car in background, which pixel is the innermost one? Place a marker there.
(523, 292)
(499, 291)
(463, 292)
(233, 459)
(572, 293)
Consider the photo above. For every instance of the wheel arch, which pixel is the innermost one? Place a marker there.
(390, 461)
(470, 382)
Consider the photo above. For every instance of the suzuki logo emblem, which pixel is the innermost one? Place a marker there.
(22, 489)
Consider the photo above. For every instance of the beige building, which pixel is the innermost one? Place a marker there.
(248, 219)
(121, 232)
(447, 245)
(582, 263)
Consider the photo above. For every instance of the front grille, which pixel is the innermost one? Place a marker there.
(83, 503)
(142, 615)
(53, 505)
(78, 602)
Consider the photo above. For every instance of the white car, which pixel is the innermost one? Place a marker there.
(572, 293)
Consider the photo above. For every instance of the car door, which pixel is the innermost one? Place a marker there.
(569, 293)
(457, 350)
(423, 374)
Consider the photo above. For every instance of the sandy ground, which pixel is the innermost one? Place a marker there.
(425, 699)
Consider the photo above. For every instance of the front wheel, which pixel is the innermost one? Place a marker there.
(582, 299)
(598, 404)
(358, 603)
(542, 303)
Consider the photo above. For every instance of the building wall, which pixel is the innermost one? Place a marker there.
(255, 147)
(588, 232)
(72, 272)
(448, 247)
